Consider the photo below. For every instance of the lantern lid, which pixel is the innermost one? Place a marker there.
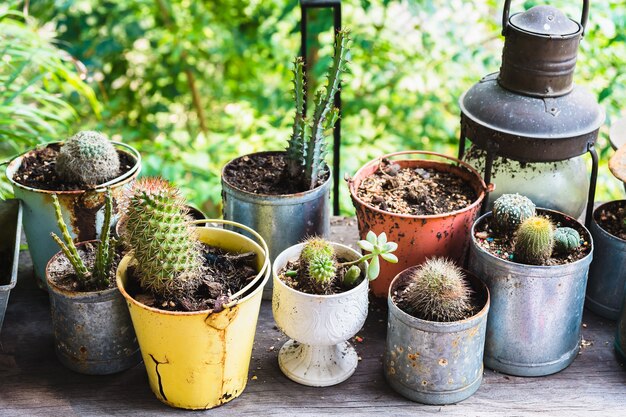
(545, 20)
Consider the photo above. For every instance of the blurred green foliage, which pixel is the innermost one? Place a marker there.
(194, 83)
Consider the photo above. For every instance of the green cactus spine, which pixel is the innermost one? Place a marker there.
(87, 158)
(438, 292)
(510, 210)
(318, 264)
(566, 240)
(534, 241)
(169, 256)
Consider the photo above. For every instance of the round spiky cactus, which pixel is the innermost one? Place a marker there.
(438, 292)
(534, 241)
(566, 240)
(88, 158)
(168, 253)
(510, 210)
(319, 265)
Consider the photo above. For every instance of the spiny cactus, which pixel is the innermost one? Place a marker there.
(87, 158)
(534, 241)
(319, 265)
(306, 149)
(510, 210)
(566, 240)
(438, 292)
(169, 255)
(98, 277)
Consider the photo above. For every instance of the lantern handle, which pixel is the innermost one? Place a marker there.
(507, 9)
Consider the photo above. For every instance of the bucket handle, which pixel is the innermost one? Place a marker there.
(507, 8)
(258, 237)
(486, 187)
(127, 174)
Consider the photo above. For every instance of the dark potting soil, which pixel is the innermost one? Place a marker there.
(63, 275)
(227, 274)
(415, 192)
(502, 246)
(263, 173)
(612, 218)
(300, 283)
(37, 170)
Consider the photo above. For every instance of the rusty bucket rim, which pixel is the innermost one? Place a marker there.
(538, 268)
(125, 178)
(261, 196)
(376, 161)
(606, 234)
(448, 326)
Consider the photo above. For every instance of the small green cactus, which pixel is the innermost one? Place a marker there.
(566, 240)
(534, 241)
(306, 149)
(169, 256)
(510, 210)
(87, 158)
(438, 292)
(318, 264)
(98, 277)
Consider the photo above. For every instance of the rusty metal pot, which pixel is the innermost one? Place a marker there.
(418, 237)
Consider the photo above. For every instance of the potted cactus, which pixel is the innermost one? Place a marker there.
(284, 195)
(92, 329)
(436, 332)
(319, 301)
(194, 295)
(78, 171)
(531, 258)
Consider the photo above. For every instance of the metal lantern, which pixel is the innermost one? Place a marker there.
(531, 111)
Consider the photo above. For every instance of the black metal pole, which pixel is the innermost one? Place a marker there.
(592, 184)
(488, 167)
(305, 5)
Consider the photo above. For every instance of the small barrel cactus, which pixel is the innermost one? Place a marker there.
(318, 265)
(510, 210)
(534, 241)
(87, 158)
(169, 256)
(566, 240)
(438, 292)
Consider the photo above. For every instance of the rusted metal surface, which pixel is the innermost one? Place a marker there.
(607, 274)
(432, 362)
(11, 227)
(617, 164)
(534, 325)
(418, 237)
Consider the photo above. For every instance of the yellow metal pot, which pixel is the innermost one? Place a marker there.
(199, 360)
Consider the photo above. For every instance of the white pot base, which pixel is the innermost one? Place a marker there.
(317, 366)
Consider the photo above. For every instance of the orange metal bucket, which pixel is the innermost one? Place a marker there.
(418, 237)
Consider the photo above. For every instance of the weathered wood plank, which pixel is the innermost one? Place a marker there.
(34, 383)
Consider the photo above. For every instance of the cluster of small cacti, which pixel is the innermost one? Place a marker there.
(438, 291)
(318, 264)
(87, 158)
(306, 149)
(169, 256)
(510, 210)
(96, 278)
(534, 240)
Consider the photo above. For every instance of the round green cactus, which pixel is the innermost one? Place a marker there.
(534, 241)
(87, 158)
(438, 292)
(510, 210)
(318, 265)
(322, 269)
(169, 256)
(566, 240)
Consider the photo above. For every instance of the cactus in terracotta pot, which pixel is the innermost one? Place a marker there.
(534, 241)
(510, 210)
(87, 158)
(566, 240)
(438, 292)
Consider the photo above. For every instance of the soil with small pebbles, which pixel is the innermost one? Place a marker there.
(612, 218)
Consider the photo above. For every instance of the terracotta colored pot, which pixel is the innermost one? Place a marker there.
(418, 237)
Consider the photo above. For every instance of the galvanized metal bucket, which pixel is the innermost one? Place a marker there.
(282, 220)
(432, 362)
(93, 333)
(534, 325)
(607, 274)
(620, 336)
(11, 226)
(83, 211)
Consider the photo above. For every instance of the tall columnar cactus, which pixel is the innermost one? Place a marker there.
(306, 149)
(169, 255)
(510, 210)
(438, 292)
(534, 241)
(87, 158)
(566, 240)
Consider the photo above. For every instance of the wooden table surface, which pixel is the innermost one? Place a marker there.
(34, 383)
